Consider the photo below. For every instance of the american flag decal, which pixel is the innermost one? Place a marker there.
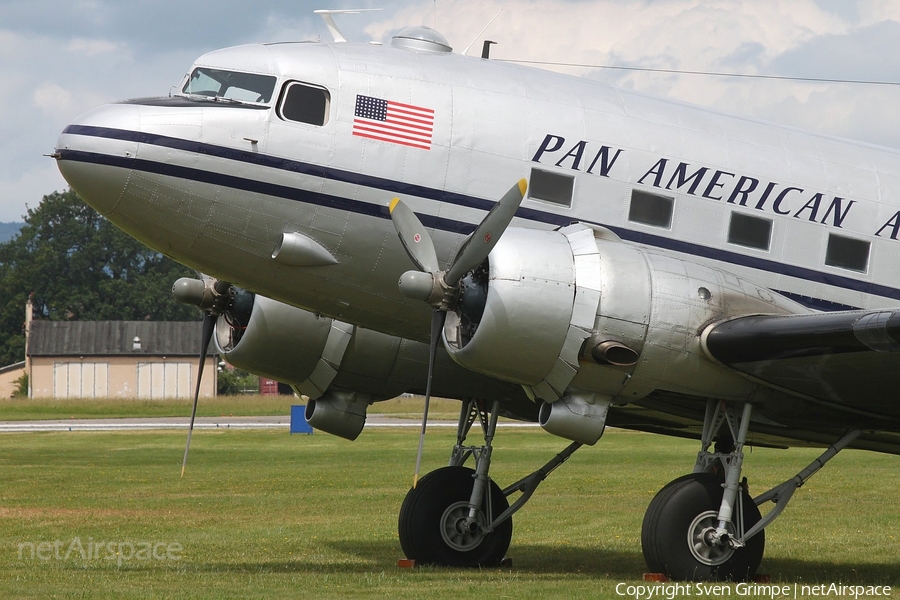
(393, 122)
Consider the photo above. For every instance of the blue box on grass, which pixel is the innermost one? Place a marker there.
(299, 424)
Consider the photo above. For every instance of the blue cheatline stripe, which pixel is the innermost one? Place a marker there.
(816, 303)
(399, 187)
(261, 187)
(283, 164)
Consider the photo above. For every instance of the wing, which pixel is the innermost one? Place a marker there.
(849, 360)
(835, 371)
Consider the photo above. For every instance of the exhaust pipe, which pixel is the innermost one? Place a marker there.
(614, 353)
(577, 418)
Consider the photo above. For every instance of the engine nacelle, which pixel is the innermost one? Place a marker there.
(578, 309)
(341, 368)
(283, 343)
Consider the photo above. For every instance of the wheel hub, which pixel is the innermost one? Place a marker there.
(456, 532)
(702, 543)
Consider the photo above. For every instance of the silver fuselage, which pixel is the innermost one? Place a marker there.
(215, 185)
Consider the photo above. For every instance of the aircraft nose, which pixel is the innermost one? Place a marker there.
(96, 154)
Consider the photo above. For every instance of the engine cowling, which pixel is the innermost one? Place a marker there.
(341, 368)
(268, 343)
(300, 348)
(540, 304)
(577, 311)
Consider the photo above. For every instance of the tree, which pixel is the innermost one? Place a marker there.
(79, 266)
(232, 382)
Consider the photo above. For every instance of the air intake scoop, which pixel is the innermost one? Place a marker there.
(421, 39)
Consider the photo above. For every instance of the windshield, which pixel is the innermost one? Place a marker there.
(246, 87)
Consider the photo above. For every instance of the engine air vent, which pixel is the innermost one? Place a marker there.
(421, 39)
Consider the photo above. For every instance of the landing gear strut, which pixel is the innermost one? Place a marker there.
(678, 534)
(705, 525)
(459, 517)
(694, 528)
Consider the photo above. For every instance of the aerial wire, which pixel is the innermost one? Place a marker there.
(707, 73)
(466, 51)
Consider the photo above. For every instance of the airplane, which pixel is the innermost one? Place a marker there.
(568, 253)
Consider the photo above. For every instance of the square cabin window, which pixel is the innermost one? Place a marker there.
(752, 232)
(651, 209)
(847, 253)
(555, 188)
(305, 103)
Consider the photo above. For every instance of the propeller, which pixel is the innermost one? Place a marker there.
(441, 289)
(214, 298)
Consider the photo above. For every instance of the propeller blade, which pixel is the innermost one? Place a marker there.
(437, 324)
(209, 326)
(478, 245)
(414, 236)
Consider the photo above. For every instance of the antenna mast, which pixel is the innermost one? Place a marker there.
(466, 51)
(332, 26)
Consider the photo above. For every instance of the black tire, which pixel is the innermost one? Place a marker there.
(426, 519)
(678, 509)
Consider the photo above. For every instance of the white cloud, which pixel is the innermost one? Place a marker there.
(873, 11)
(7, 41)
(669, 31)
(92, 48)
(28, 188)
(48, 76)
(675, 34)
(52, 99)
(62, 104)
(798, 38)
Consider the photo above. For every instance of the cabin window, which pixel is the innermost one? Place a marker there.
(752, 232)
(555, 188)
(305, 103)
(651, 209)
(847, 253)
(215, 83)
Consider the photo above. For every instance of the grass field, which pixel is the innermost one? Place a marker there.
(269, 515)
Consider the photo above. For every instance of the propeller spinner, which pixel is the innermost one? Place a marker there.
(441, 289)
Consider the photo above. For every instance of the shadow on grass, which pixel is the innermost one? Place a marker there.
(353, 557)
(813, 572)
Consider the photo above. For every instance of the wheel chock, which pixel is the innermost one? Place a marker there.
(410, 563)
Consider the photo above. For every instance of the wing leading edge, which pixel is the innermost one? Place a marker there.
(848, 360)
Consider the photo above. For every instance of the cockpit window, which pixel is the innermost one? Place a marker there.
(246, 87)
(305, 103)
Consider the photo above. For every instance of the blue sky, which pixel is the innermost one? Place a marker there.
(59, 58)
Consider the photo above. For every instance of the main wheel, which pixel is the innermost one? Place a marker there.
(432, 516)
(675, 529)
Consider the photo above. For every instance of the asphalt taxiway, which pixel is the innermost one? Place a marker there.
(224, 422)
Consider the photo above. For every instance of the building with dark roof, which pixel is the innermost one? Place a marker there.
(122, 359)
